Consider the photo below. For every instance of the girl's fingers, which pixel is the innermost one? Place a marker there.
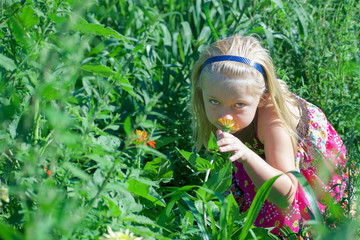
(229, 148)
(228, 140)
(236, 156)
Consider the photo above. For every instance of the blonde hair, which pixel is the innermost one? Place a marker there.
(248, 47)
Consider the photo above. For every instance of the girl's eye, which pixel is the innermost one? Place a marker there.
(239, 105)
(213, 102)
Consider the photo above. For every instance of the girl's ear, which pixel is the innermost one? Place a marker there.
(263, 99)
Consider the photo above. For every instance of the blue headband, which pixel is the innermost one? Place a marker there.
(234, 59)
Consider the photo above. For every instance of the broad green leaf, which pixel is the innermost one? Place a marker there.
(98, 69)
(7, 63)
(113, 207)
(160, 169)
(269, 36)
(77, 172)
(212, 144)
(204, 34)
(175, 196)
(98, 29)
(199, 163)
(232, 217)
(219, 182)
(146, 191)
(27, 17)
(163, 141)
(9, 232)
(186, 36)
(58, 19)
(108, 142)
(301, 14)
(127, 125)
(167, 36)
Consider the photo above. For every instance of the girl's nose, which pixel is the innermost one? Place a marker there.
(227, 116)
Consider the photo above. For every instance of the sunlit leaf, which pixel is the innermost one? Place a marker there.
(199, 163)
(27, 17)
(98, 29)
(7, 63)
(146, 191)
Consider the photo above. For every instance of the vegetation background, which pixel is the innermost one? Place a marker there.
(77, 78)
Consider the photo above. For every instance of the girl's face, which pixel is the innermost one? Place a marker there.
(226, 98)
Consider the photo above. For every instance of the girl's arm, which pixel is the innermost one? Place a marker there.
(279, 156)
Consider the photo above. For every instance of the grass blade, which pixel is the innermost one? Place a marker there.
(207, 14)
(310, 195)
(256, 205)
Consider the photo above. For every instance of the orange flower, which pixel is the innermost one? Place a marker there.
(151, 143)
(228, 125)
(48, 172)
(142, 138)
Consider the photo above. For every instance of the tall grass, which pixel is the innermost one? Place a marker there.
(78, 78)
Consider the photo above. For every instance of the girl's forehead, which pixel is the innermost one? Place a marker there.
(209, 77)
(212, 82)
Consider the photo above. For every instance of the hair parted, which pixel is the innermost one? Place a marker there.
(247, 47)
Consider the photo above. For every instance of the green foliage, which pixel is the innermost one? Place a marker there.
(78, 78)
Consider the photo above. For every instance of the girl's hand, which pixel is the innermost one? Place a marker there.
(229, 143)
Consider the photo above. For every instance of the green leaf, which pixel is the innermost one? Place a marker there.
(199, 219)
(98, 69)
(199, 163)
(106, 72)
(167, 36)
(146, 191)
(256, 205)
(232, 217)
(77, 172)
(27, 17)
(7, 63)
(220, 181)
(160, 169)
(208, 20)
(187, 36)
(163, 141)
(127, 126)
(58, 19)
(212, 144)
(9, 232)
(97, 29)
(311, 197)
(175, 196)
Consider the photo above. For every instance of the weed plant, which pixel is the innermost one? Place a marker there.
(79, 78)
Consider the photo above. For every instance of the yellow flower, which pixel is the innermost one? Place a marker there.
(120, 235)
(228, 125)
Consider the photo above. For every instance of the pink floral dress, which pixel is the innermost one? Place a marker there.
(319, 152)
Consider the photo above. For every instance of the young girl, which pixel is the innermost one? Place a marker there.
(279, 132)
